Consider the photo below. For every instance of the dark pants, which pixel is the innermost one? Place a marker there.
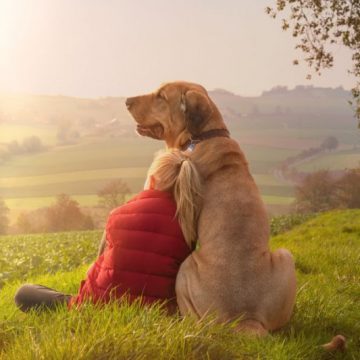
(39, 297)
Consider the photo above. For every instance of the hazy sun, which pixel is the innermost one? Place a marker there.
(12, 15)
(6, 9)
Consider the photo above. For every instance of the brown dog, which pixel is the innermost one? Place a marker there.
(233, 274)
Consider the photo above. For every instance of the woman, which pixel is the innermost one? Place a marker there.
(145, 242)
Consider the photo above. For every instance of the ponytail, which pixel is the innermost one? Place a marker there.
(175, 171)
(187, 193)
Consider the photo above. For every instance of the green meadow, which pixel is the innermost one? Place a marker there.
(326, 250)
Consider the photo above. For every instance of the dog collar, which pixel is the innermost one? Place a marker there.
(193, 141)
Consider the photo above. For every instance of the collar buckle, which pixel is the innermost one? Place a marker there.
(193, 143)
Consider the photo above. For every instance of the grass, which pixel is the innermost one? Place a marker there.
(23, 256)
(326, 251)
(283, 223)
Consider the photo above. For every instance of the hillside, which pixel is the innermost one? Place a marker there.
(100, 143)
(326, 251)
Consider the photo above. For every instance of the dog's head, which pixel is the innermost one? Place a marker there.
(175, 112)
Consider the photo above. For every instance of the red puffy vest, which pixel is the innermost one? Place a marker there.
(145, 247)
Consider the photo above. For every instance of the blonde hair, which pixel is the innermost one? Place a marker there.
(173, 171)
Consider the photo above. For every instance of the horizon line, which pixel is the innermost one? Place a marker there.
(310, 86)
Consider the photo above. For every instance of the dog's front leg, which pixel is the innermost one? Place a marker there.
(184, 288)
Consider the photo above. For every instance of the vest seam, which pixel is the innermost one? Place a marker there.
(147, 231)
(150, 252)
(139, 272)
(143, 213)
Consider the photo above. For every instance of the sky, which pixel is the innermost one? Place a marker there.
(95, 48)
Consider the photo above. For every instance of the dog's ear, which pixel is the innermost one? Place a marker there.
(197, 109)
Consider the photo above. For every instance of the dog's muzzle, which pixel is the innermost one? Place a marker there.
(129, 102)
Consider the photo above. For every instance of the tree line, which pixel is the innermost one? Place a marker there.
(319, 191)
(324, 190)
(65, 214)
(29, 145)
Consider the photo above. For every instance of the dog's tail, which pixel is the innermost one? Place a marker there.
(337, 343)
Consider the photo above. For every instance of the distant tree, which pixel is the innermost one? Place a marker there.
(319, 24)
(14, 148)
(32, 144)
(279, 89)
(4, 220)
(65, 134)
(33, 221)
(113, 194)
(66, 215)
(330, 143)
(316, 193)
(25, 224)
(4, 154)
(88, 222)
(348, 189)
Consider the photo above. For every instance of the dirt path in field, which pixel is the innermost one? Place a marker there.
(279, 174)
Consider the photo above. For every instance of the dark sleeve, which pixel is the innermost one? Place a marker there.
(102, 244)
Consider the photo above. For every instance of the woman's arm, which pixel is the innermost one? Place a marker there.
(102, 244)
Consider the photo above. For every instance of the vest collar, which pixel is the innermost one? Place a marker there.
(152, 193)
(194, 140)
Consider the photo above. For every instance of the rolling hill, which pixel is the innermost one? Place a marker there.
(100, 143)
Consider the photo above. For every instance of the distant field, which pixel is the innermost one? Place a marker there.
(276, 204)
(297, 138)
(92, 200)
(32, 203)
(340, 160)
(31, 181)
(26, 181)
(100, 154)
(90, 181)
(273, 154)
(12, 182)
(274, 200)
(83, 168)
(46, 133)
(119, 153)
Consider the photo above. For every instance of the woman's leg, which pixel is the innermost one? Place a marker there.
(31, 296)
